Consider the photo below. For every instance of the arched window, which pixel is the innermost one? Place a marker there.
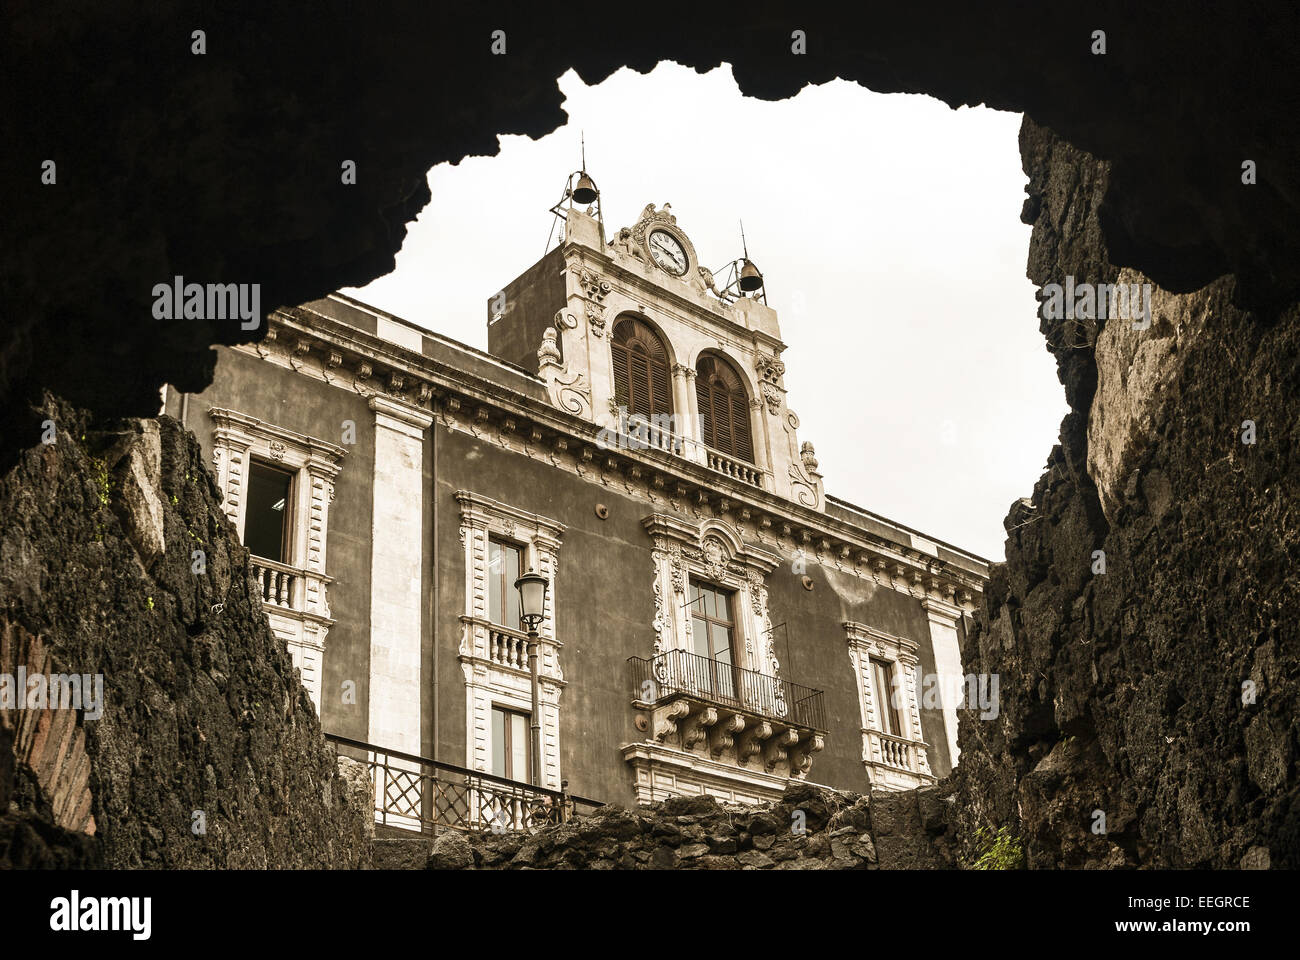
(642, 382)
(724, 408)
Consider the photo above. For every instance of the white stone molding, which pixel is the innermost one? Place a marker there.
(294, 594)
(891, 762)
(943, 617)
(567, 382)
(494, 658)
(740, 742)
(396, 574)
(660, 771)
(714, 551)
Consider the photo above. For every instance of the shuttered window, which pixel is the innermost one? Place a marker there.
(724, 408)
(642, 381)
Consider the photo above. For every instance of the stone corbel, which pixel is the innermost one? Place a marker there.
(777, 747)
(697, 729)
(801, 756)
(751, 741)
(723, 735)
(665, 718)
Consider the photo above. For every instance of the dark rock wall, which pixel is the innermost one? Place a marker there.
(808, 829)
(1123, 692)
(202, 708)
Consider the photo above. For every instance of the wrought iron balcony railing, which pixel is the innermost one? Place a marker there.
(425, 795)
(679, 673)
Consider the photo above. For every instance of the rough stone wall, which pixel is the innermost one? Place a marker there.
(1123, 692)
(840, 832)
(203, 710)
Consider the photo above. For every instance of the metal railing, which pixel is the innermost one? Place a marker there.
(679, 673)
(425, 795)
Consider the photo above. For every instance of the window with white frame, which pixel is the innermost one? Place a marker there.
(511, 752)
(885, 668)
(500, 542)
(277, 486)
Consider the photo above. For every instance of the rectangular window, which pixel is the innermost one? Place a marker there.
(268, 518)
(510, 750)
(713, 636)
(503, 571)
(888, 697)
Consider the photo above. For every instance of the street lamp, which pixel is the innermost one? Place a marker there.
(532, 588)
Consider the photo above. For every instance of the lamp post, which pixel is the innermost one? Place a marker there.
(532, 588)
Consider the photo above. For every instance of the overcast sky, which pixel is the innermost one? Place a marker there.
(887, 229)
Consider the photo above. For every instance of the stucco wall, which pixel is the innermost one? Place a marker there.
(605, 610)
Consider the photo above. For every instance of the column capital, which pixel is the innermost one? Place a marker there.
(400, 416)
(941, 611)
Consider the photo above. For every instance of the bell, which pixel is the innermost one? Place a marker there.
(585, 192)
(750, 278)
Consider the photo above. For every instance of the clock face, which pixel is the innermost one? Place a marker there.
(667, 252)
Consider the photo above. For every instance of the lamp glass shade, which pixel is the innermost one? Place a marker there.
(532, 597)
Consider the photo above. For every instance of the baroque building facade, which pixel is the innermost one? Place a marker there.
(715, 621)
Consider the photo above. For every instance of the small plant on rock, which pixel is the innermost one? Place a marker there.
(1000, 850)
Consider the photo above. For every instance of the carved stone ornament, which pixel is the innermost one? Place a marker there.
(651, 217)
(770, 369)
(596, 318)
(715, 557)
(549, 351)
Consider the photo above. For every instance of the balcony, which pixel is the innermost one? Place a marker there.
(639, 432)
(894, 762)
(735, 715)
(289, 588)
(733, 467)
(297, 609)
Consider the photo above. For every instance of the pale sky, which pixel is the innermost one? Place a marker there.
(887, 229)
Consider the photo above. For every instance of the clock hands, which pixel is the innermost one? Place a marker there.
(675, 256)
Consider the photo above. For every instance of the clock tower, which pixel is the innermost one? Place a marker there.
(636, 335)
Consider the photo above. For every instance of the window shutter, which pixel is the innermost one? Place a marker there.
(642, 380)
(704, 395)
(621, 375)
(661, 390)
(639, 378)
(742, 445)
(724, 409)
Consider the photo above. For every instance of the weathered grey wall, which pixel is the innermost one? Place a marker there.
(605, 610)
(531, 302)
